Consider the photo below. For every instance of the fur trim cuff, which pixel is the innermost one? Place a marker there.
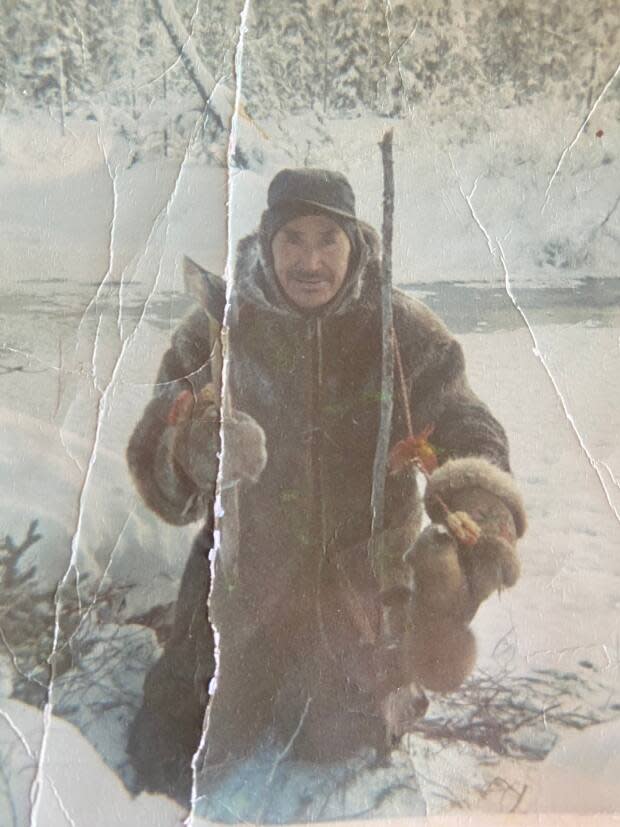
(474, 472)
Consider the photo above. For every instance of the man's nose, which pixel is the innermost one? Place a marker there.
(312, 260)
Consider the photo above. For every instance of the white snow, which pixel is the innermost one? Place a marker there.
(72, 787)
(76, 788)
(565, 606)
(91, 292)
(581, 774)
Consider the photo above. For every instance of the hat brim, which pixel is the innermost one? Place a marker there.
(318, 206)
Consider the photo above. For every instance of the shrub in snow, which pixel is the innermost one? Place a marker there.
(68, 647)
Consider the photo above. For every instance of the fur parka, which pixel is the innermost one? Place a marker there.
(299, 618)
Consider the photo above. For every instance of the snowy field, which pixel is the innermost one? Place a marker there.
(90, 293)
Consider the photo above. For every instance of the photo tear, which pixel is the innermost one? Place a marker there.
(310, 354)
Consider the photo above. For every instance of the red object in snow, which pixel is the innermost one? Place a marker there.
(414, 449)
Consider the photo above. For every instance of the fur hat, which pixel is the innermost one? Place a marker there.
(297, 192)
(316, 187)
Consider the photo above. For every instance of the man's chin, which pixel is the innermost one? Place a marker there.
(309, 304)
(309, 296)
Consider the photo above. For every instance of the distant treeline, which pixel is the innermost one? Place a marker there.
(336, 59)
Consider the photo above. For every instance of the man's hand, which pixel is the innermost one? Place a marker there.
(461, 559)
(195, 421)
(452, 578)
(196, 445)
(470, 552)
(491, 563)
(245, 453)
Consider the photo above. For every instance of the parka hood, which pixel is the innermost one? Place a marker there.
(256, 281)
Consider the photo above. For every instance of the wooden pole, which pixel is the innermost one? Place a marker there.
(387, 361)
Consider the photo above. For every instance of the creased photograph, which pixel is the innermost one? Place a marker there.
(309, 432)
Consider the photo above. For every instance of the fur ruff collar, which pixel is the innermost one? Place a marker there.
(255, 280)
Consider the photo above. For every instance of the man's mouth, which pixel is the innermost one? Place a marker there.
(310, 281)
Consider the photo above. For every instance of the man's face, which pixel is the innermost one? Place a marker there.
(311, 258)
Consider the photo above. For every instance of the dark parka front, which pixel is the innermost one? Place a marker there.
(295, 600)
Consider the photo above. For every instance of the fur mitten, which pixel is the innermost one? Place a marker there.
(490, 564)
(453, 578)
(196, 424)
(245, 453)
(490, 497)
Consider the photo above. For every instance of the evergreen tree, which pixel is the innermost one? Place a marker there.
(351, 58)
(283, 47)
(324, 56)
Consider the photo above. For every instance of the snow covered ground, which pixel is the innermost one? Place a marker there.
(71, 785)
(90, 292)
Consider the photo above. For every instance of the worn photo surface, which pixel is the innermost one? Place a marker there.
(310, 372)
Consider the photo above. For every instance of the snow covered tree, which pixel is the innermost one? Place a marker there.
(32, 52)
(322, 56)
(284, 48)
(352, 57)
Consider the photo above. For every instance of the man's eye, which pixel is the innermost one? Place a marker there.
(329, 240)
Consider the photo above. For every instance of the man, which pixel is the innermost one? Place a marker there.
(298, 599)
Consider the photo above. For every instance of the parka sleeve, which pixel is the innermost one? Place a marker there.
(162, 483)
(463, 425)
(470, 444)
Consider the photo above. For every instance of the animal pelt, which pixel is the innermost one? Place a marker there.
(456, 475)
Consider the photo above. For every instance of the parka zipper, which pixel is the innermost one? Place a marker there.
(317, 509)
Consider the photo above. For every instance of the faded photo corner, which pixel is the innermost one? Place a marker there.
(310, 318)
